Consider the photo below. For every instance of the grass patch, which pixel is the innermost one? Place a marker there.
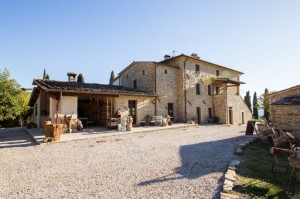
(256, 180)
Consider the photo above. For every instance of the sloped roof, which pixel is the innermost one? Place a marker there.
(292, 100)
(200, 60)
(285, 90)
(87, 88)
(143, 62)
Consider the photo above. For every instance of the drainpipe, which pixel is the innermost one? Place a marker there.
(155, 88)
(184, 84)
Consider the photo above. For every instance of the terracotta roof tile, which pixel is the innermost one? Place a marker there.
(87, 88)
(292, 100)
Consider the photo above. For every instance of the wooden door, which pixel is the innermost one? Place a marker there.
(171, 111)
(132, 110)
(198, 115)
(230, 115)
(243, 118)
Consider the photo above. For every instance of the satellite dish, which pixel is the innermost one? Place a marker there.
(226, 74)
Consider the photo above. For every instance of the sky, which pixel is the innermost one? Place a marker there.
(259, 38)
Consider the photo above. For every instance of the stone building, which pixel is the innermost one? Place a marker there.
(285, 107)
(189, 88)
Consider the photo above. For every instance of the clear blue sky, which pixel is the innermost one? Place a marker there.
(260, 38)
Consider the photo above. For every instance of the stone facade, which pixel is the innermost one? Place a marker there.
(144, 106)
(285, 115)
(176, 80)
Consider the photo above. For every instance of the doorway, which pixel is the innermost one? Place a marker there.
(230, 116)
(132, 110)
(198, 109)
(243, 118)
(171, 111)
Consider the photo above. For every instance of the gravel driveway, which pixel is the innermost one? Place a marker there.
(177, 163)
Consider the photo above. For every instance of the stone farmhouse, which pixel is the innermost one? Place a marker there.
(183, 87)
(188, 88)
(285, 107)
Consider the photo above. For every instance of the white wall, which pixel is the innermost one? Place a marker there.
(69, 106)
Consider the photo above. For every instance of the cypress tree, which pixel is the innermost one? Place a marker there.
(266, 105)
(80, 78)
(44, 75)
(247, 100)
(255, 106)
(112, 77)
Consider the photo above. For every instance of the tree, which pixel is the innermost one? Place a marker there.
(45, 74)
(12, 101)
(247, 100)
(255, 106)
(112, 77)
(266, 105)
(80, 78)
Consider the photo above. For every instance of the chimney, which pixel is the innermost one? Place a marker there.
(71, 77)
(195, 55)
(167, 57)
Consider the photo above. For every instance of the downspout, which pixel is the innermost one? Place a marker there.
(155, 86)
(184, 84)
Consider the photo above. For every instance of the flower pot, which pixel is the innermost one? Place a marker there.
(56, 133)
(48, 130)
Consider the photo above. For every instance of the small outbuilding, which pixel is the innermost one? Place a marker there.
(285, 107)
(88, 102)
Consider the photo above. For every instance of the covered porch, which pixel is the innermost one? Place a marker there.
(95, 132)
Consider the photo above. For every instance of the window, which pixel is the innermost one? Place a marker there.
(134, 83)
(209, 113)
(197, 89)
(127, 76)
(217, 90)
(197, 68)
(209, 89)
(166, 71)
(217, 73)
(143, 72)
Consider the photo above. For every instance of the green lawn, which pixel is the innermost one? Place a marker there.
(256, 180)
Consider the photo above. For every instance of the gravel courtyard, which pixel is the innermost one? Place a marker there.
(176, 163)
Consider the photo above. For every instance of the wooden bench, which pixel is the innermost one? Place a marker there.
(157, 120)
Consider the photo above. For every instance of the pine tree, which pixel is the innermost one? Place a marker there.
(44, 76)
(47, 77)
(255, 106)
(247, 100)
(266, 105)
(112, 77)
(80, 78)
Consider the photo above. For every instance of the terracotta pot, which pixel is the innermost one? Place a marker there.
(48, 130)
(56, 133)
(60, 128)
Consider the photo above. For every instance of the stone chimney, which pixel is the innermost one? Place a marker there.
(195, 55)
(71, 77)
(167, 57)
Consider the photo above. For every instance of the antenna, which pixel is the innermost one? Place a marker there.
(174, 52)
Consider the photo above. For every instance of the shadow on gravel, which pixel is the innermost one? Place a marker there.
(15, 137)
(201, 159)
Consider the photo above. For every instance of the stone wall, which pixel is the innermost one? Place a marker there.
(145, 106)
(287, 116)
(220, 108)
(143, 72)
(167, 90)
(239, 108)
